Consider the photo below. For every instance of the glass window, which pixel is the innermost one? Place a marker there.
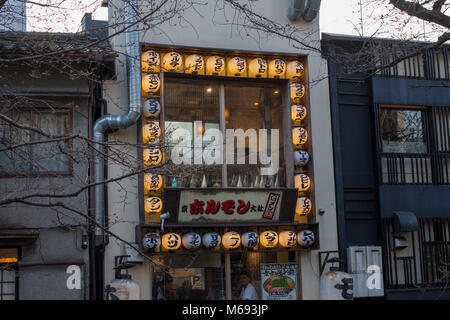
(8, 273)
(403, 130)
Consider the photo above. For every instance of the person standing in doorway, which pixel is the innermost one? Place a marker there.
(248, 291)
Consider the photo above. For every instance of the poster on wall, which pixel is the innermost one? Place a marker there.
(279, 281)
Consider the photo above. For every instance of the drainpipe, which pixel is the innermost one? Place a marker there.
(308, 9)
(108, 123)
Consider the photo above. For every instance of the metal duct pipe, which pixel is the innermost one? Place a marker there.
(308, 9)
(111, 122)
(311, 10)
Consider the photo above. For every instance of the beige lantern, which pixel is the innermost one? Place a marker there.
(231, 240)
(171, 241)
(151, 132)
(277, 68)
(172, 61)
(295, 70)
(299, 136)
(150, 61)
(302, 182)
(153, 205)
(152, 182)
(298, 112)
(150, 83)
(304, 206)
(268, 239)
(298, 91)
(257, 68)
(215, 66)
(195, 64)
(152, 156)
(237, 67)
(288, 238)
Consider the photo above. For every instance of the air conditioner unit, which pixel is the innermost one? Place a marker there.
(365, 263)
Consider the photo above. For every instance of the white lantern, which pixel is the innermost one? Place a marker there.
(301, 158)
(295, 70)
(306, 238)
(124, 288)
(231, 240)
(288, 238)
(257, 68)
(211, 240)
(268, 239)
(302, 182)
(151, 108)
(298, 91)
(152, 156)
(215, 66)
(172, 61)
(192, 240)
(237, 66)
(152, 182)
(195, 64)
(299, 136)
(303, 207)
(277, 68)
(151, 241)
(150, 61)
(250, 239)
(151, 132)
(298, 112)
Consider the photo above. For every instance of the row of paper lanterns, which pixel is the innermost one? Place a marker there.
(230, 240)
(257, 67)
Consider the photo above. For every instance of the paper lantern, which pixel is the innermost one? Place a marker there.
(171, 241)
(301, 158)
(299, 136)
(268, 239)
(277, 68)
(302, 182)
(195, 64)
(257, 68)
(211, 240)
(215, 66)
(288, 238)
(172, 61)
(151, 241)
(150, 83)
(250, 239)
(237, 66)
(152, 182)
(192, 241)
(306, 238)
(231, 240)
(295, 70)
(304, 206)
(151, 132)
(152, 156)
(150, 61)
(297, 92)
(151, 108)
(153, 205)
(298, 112)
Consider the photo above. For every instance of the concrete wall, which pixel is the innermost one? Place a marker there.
(209, 27)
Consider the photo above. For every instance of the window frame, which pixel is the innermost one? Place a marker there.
(14, 266)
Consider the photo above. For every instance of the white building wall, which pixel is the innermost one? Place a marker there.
(210, 27)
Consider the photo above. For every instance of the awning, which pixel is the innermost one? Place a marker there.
(405, 221)
(18, 237)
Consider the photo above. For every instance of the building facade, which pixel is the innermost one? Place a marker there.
(201, 74)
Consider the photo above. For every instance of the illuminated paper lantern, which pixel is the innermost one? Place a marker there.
(257, 68)
(306, 238)
(231, 240)
(151, 108)
(295, 70)
(152, 182)
(171, 241)
(150, 83)
(304, 206)
(299, 136)
(288, 239)
(152, 156)
(172, 61)
(150, 61)
(151, 132)
(211, 240)
(302, 182)
(237, 66)
(298, 112)
(215, 66)
(268, 239)
(195, 64)
(153, 205)
(151, 241)
(250, 239)
(192, 241)
(301, 158)
(297, 92)
(277, 68)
